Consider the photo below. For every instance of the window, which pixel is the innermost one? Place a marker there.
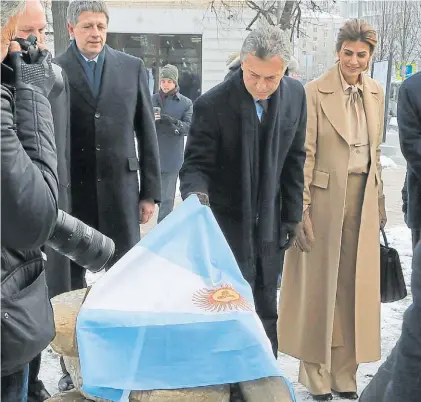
(315, 38)
(315, 28)
(184, 51)
(314, 48)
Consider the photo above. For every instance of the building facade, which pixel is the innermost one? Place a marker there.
(188, 35)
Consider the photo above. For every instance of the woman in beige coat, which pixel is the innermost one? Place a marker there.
(329, 314)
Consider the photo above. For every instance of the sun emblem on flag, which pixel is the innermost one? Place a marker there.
(222, 298)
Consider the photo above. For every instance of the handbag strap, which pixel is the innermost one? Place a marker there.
(386, 243)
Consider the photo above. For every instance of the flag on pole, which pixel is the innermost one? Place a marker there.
(174, 312)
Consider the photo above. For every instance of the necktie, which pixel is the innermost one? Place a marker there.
(264, 103)
(355, 106)
(92, 66)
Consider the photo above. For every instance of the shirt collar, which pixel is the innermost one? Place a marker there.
(346, 86)
(95, 59)
(257, 100)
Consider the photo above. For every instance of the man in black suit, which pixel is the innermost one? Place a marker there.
(110, 106)
(244, 153)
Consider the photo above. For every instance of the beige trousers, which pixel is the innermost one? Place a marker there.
(320, 379)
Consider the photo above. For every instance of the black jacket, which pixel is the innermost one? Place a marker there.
(246, 171)
(176, 112)
(57, 266)
(409, 123)
(105, 166)
(406, 384)
(29, 194)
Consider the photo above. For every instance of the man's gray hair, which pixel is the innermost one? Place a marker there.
(9, 9)
(77, 7)
(267, 41)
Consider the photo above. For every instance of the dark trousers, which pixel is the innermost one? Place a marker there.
(14, 387)
(266, 303)
(168, 187)
(376, 389)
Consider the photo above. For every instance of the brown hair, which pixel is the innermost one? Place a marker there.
(357, 30)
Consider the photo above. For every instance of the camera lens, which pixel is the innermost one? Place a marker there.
(81, 243)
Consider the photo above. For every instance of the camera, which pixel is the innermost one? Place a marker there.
(29, 48)
(81, 243)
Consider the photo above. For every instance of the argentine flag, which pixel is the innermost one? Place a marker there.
(174, 312)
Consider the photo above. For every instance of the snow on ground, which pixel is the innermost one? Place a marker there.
(387, 163)
(399, 237)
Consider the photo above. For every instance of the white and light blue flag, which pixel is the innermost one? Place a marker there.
(174, 312)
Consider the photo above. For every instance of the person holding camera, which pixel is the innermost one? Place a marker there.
(31, 28)
(29, 196)
(173, 113)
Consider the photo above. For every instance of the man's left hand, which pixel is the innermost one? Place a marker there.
(287, 235)
(146, 210)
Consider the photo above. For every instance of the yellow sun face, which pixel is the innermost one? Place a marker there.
(223, 298)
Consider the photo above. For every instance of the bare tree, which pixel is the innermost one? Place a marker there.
(61, 35)
(385, 22)
(286, 14)
(408, 31)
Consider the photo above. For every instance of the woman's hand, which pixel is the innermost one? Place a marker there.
(382, 212)
(305, 235)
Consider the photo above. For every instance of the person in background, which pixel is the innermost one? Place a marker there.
(29, 204)
(173, 113)
(33, 21)
(329, 312)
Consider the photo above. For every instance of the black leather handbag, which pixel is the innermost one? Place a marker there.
(392, 282)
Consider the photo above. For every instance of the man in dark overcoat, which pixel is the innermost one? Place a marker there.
(110, 106)
(400, 361)
(245, 151)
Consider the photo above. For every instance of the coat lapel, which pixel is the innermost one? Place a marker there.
(333, 103)
(371, 102)
(110, 74)
(77, 76)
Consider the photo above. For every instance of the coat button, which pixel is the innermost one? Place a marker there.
(98, 147)
(97, 115)
(6, 315)
(98, 179)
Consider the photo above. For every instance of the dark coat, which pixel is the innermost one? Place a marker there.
(57, 266)
(221, 161)
(171, 131)
(409, 123)
(29, 193)
(104, 164)
(406, 384)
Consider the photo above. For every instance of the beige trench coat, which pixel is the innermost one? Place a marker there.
(308, 292)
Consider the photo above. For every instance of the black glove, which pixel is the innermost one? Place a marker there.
(203, 198)
(288, 233)
(169, 119)
(38, 75)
